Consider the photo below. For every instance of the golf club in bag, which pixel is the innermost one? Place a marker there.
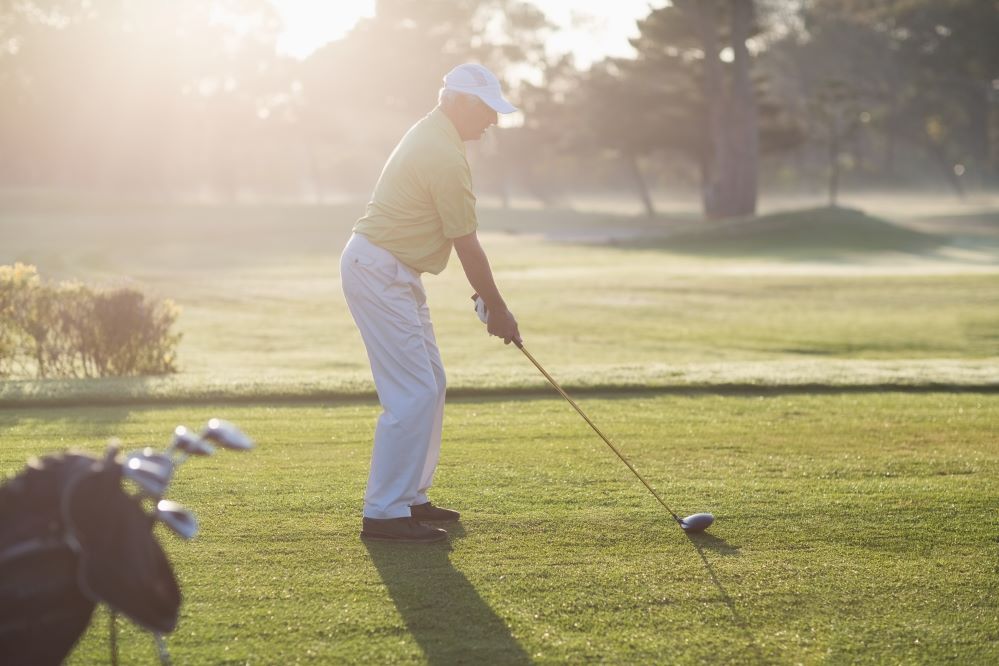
(77, 531)
(697, 522)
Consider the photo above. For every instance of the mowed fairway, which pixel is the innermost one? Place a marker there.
(824, 382)
(850, 528)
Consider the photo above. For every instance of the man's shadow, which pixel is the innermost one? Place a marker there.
(442, 610)
(703, 541)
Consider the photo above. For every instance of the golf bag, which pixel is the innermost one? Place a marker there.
(70, 538)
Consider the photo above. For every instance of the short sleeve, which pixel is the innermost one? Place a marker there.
(451, 190)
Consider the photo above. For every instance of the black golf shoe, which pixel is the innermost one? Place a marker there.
(400, 530)
(434, 514)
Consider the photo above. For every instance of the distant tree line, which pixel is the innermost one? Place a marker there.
(189, 99)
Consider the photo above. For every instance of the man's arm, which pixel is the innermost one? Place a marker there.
(480, 276)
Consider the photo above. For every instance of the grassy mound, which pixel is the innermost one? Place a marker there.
(817, 231)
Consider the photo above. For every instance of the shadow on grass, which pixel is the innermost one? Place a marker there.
(702, 541)
(441, 608)
(705, 540)
(48, 432)
(72, 392)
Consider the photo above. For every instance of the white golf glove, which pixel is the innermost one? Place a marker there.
(480, 309)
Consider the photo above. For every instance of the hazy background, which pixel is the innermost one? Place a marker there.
(664, 188)
(251, 101)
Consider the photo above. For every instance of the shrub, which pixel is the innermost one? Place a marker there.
(71, 330)
(19, 285)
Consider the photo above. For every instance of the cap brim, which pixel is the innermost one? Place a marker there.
(498, 104)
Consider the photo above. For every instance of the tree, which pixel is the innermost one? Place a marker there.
(135, 96)
(358, 78)
(679, 96)
(835, 108)
(695, 34)
(612, 114)
(731, 164)
(951, 58)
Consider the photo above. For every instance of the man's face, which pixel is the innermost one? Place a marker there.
(475, 118)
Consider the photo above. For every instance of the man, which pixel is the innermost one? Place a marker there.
(422, 206)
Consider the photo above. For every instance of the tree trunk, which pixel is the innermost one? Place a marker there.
(977, 110)
(744, 146)
(716, 151)
(643, 190)
(941, 159)
(859, 141)
(890, 134)
(833, 163)
(732, 150)
(982, 144)
(994, 147)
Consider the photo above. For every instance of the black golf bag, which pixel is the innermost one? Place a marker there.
(70, 538)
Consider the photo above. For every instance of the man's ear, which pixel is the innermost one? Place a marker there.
(469, 103)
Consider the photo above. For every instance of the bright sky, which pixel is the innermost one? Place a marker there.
(591, 29)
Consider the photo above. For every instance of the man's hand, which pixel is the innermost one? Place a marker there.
(503, 325)
(503, 329)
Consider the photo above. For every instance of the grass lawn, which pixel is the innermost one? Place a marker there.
(850, 528)
(855, 523)
(817, 297)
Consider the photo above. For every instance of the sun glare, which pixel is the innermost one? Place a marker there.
(587, 28)
(310, 25)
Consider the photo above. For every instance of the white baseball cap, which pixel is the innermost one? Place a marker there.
(474, 79)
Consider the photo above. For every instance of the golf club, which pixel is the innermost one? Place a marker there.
(151, 471)
(226, 435)
(697, 522)
(181, 521)
(218, 431)
(190, 444)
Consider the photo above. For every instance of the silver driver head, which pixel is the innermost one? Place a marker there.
(226, 435)
(697, 522)
(181, 521)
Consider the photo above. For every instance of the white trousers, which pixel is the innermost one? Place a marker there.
(389, 306)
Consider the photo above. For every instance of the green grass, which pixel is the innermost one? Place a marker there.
(870, 303)
(850, 528)
(817, 233)
(855, 524)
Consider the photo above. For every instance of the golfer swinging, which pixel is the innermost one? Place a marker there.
(422, 205)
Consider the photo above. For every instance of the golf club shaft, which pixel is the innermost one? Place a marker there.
(613, 448)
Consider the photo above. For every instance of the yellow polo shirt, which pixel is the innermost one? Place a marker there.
(423, 199)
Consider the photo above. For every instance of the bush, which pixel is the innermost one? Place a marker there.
(71, 330)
